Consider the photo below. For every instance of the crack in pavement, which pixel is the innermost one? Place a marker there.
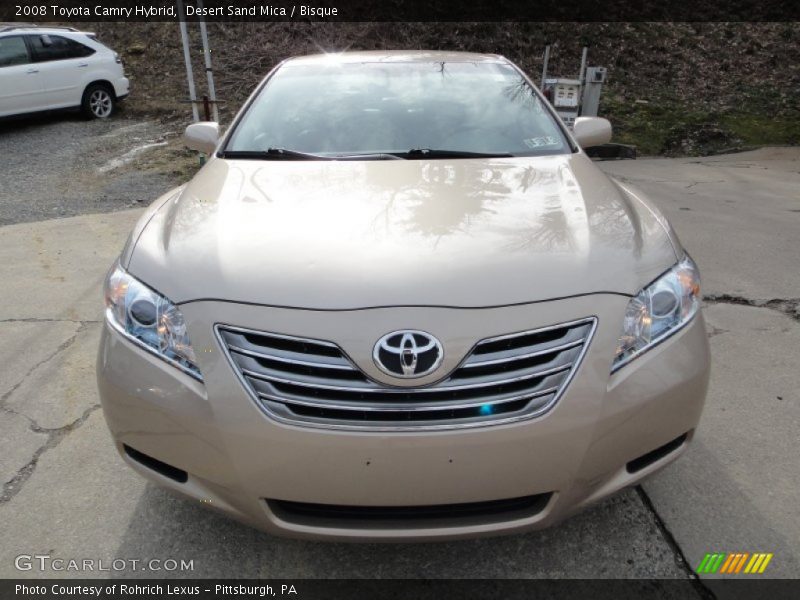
(788, 306)
(14, 485)
(54, 435)
(680, 558)
(694, 183)
(713, 331)
(11, 411)
(63, 346)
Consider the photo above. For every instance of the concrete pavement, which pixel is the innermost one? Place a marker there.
(736, 488)
(67, 494)
(738, 214)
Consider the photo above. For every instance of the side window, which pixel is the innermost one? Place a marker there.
(13, 51)
(78, 50)
(54, 47)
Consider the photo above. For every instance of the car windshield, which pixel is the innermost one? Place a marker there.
(436, 109)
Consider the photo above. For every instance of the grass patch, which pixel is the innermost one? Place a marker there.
(760, 130)
(173, 159)
(665, 128)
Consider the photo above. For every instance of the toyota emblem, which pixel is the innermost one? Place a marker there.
(408, 353)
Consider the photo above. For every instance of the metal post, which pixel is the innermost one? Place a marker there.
(544, 65)
(209, 72)
(582, 73)
(582, 78)
(188, 60)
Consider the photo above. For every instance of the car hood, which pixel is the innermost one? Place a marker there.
(355, 234)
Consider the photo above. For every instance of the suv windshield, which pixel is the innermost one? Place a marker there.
(407, 109)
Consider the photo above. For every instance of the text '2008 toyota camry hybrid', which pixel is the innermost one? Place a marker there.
(400, 302)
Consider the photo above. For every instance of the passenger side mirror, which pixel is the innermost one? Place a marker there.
(202, 136)
(591, 131)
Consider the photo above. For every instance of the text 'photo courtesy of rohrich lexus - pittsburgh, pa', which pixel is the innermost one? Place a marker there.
(399, 302)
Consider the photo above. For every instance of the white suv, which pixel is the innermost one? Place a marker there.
(58, 67)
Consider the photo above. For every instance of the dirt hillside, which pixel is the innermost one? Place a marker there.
(673, 88)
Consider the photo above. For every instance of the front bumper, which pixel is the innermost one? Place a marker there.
(236, 457)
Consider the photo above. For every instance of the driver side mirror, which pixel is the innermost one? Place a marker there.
(591, 131)
(202, 136)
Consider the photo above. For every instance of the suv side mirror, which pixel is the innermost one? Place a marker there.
(591, 131)
(202, 136)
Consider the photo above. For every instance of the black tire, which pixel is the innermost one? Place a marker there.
(99, 101)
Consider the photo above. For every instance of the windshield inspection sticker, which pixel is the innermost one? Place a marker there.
(540, 142)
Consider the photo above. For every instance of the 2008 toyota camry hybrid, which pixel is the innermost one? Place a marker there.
(399, 302)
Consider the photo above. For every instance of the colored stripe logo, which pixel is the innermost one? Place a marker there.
(732, 563)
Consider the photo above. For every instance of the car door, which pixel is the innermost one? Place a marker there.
(21, 88)
(62, 63)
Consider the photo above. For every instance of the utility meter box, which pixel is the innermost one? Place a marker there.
(564, 95)
(590, 102)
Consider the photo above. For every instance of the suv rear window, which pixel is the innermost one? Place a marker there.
(54, 47)
(13, 51)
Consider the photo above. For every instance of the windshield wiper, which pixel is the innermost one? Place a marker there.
(432, 153)
(273, 154)
(369, 156)
(286, 154)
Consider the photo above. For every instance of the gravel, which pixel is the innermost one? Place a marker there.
(63, 165)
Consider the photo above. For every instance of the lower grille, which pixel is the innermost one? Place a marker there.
(156, 465)
(314, 382)
(653, 456)
(330, 514)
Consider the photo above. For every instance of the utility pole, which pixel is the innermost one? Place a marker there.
(544, 65)
(209, 72)
(582, 73)
(187, 58)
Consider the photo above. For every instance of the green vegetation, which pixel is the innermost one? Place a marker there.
(668, 128)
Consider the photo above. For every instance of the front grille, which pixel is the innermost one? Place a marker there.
(321, 515)
(314, 382)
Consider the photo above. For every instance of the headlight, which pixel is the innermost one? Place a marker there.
(659, 310)
(149, 319)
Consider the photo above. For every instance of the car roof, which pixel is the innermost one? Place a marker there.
(25, 28)
(417, 56)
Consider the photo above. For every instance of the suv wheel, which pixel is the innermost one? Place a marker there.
(98, 102)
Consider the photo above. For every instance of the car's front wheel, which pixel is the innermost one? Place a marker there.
(98, 102)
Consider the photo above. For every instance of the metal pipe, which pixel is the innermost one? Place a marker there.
(187, 58)
(581, 79)
(544, 65)
(209, 72)
(582, 74)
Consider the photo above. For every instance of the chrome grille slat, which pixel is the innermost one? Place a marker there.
(370, 389)
(313, 382)
(239, 343)
(284, 359)
(507, 356)
(408, 407)
(318, 377)
(410, 399)
(510, 370)
(539, 330)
